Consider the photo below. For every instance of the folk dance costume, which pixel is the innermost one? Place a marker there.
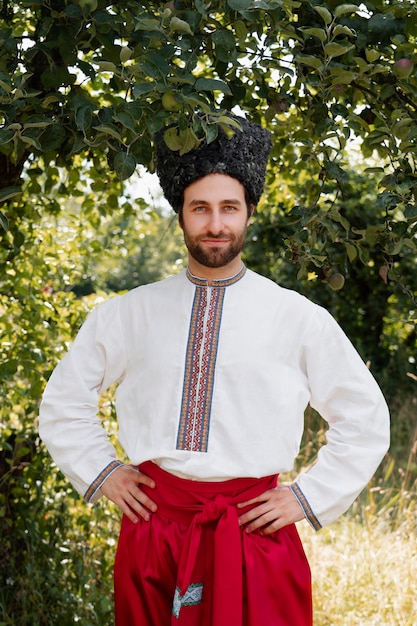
(213, 382)
(212, 387)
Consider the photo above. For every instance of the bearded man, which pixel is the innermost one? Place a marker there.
(215, 367)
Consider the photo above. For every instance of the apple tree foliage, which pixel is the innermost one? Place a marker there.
(84, 85)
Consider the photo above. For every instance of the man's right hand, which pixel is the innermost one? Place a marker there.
(123, 488)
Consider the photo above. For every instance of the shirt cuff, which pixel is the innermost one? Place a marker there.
(96, 484)
(308, 511)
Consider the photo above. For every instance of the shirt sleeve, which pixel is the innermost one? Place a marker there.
(68, 421)
(347, 396)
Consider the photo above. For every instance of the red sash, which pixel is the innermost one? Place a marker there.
(193, 561)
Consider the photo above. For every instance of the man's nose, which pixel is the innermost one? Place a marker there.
(216, 222)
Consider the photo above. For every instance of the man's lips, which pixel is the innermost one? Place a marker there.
(211, 240)
(215, 242)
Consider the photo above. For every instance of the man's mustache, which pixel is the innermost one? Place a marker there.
(221, 235)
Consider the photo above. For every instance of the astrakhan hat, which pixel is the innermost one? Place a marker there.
(243, 156)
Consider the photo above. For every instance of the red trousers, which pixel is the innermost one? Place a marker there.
(192, 565)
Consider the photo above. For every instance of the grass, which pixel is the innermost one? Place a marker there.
(364, 565)
(363, 574)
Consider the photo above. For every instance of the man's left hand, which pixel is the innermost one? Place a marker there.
(271, 511)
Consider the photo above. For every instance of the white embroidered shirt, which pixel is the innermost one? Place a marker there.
(213, 383)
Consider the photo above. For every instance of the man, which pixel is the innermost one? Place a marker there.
(215, 367)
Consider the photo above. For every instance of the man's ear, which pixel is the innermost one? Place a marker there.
(252, 208)
(180, 220)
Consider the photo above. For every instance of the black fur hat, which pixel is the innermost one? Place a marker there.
(244, 156)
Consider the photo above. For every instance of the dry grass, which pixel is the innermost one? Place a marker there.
(363, 574)
(364, 566)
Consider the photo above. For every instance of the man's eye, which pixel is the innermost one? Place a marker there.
(230, 209)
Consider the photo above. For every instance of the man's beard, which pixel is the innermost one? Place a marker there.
(215, 256)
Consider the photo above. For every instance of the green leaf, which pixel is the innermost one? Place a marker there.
(189, 141)
(315, 32)
(336, 172)
(351, 251)
(340, 76)
(125, 54)
(201, 8)
(325, 14)
(160, 62)
(341, 29)
(229, 121)
(22, 451)
(18, 239)
(8, 368)
(184, 79)
(386, 91)
(241, 30)
(336, 49)
(240, 5)
(73, 11)
(302, 272)
(310, 61)
(105, 66)
(410, 211)
(109, 130)
(336, 217)
(52, 137)
(52, 99)
(197, 101)
(4, 222)
(142, 89)
(124, 165)
(371, 234)
(126, 120)
(54, 76)
(225, 39)
(38, 124)
(5, 86)
(410, 243)
(402, 128)
(372, 55)
(6, 135)
(178, 25)
(343, 9)
(211, 132)
(212, 84)
(147, 24)
(86, 68)
(83, 117)
(30, 141)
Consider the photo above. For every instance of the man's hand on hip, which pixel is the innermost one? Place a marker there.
(123, 488)
(271, 511)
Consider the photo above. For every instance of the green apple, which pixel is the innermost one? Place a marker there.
(336, 281)
(170, 102)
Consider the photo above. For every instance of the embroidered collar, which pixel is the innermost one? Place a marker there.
(220, 282)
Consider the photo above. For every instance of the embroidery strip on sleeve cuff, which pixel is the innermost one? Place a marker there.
(311, 518)
(96, 484)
